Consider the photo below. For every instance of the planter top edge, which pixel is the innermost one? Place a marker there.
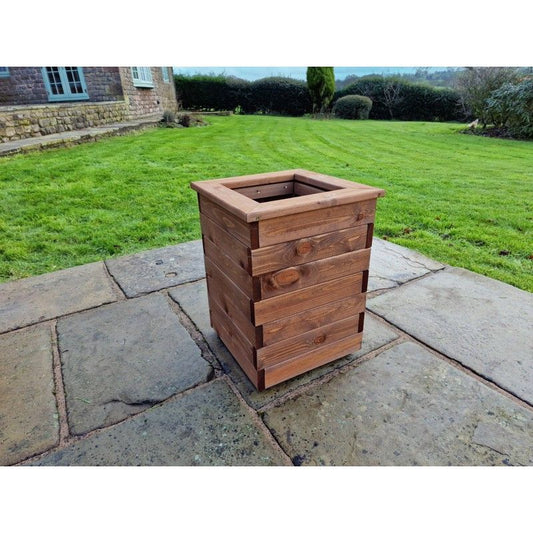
(336, 191)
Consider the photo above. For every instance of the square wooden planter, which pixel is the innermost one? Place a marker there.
(286, 258)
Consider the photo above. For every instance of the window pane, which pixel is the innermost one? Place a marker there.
(54, 79)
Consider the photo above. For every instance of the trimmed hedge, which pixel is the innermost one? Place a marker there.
(394, 98)
(276, 95)
(353, 106)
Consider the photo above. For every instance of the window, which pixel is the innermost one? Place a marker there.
(4, 72)
(142, 76)
(65, 83)
(166, 78)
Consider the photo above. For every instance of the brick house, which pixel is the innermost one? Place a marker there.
(37, 101)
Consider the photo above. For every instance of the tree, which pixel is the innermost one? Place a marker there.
(321, 85)
(475, 85)
(391, 94)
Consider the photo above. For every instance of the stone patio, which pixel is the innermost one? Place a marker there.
(115, 363)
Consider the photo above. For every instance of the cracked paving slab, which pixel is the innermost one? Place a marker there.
(192, 298)
(483, 323)
(208, 426)
(124, 357)
(404, 407)
(28, 413)
(31, 300)
(391, 265)
(158, 269)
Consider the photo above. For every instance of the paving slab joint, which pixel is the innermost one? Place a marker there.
(115, 285)
(259, 421)
(59, 388)
(455, 363)
(196, 336)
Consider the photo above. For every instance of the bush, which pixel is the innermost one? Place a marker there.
(353, 106)
(284, 96)
(211, 92)
(278, 95)
(511, 107)
(394, 98)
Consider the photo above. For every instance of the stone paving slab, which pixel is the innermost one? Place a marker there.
(483, 323)
(28, 414)
(404, 407)
(193, 300)
(122, 358)
(31, 300)
(158, 269)
(208, 426)
(391, 265)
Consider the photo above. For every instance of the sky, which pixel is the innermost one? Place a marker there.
(255, 73)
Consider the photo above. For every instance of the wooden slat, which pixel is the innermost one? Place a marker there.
(298, 277)
(285, 305)
(311, 203)
(306, 342)
(294, 367)
(240, 350)
(314, 318)
(308, 249)
(223, 240)
(260, 192)
(230, 298)
(299, 225)
(250, 180)
(301, 189)
(235, 227)
(235, 272)
(331, 182)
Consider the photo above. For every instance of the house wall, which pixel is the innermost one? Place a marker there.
(25, 85)
(26, 112)
(144, 101)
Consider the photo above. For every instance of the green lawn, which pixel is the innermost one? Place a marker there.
(460, 199)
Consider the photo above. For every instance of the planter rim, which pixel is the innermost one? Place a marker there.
(336, 192)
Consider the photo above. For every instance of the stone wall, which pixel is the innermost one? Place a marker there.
(20, 122)
(146, 101)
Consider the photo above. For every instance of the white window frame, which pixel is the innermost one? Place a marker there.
(4, 72)
(142, 77)
(67, 96)
(166, 76)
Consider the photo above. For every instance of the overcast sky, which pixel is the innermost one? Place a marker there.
(255, 73)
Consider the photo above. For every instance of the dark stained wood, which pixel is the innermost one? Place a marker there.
(232, 270)
(313, 273)
(310, 360)
(286, 257)
(301, 189)
(285, 305)
(306, 342)
(222, 239)
(308, 249)
(314, 318)
(236, 344)
(229, 297)
(299, 225)
(260, 192)
(228, 222)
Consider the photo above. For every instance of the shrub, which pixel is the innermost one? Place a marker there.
(353, 106)
(394, 98)
(511, 107)
(278, 95)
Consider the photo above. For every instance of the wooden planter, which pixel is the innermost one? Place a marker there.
(286, 258)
